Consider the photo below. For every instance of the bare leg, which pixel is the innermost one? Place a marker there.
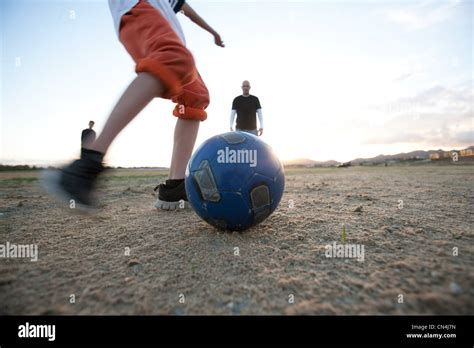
(138, 94)
(185, 134)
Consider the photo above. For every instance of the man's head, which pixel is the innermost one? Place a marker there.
(245, 87)
(91, 124)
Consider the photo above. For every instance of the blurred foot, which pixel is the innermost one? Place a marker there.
(74, 184)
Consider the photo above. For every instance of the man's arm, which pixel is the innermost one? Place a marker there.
(260, 121)
(195, 18)
(232, 118)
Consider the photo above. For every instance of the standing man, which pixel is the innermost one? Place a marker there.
(87, 136)
(246, 106)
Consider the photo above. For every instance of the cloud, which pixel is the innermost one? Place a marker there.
(421, 15)
(436, 116)
(466, 137)
(409, 67)
(434, 138)
(403, 76)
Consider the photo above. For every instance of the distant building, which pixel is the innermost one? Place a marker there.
(440, 155)
(466, 153)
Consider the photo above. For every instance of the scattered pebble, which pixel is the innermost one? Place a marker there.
(455, 288)
(298, 236)
(133, 262)
(358, 209)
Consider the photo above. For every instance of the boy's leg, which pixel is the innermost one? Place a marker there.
(76, 182)
(185, 134)
(143, 89)
(190, 110)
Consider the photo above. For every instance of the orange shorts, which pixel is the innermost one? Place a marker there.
(156, 48)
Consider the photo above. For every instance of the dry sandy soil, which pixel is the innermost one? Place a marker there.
(176, 256)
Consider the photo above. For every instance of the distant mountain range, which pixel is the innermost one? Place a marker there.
(306, 162)
(418, 154)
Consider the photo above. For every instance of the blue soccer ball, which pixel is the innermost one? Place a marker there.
(234, 181)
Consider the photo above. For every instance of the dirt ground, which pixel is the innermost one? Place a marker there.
(180, 265)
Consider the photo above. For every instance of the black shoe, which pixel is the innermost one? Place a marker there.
(75, 183)
(171, 195)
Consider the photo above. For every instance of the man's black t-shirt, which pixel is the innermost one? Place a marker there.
(87, 135)
(246, 108)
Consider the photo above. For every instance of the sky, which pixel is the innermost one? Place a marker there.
(337, 80)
